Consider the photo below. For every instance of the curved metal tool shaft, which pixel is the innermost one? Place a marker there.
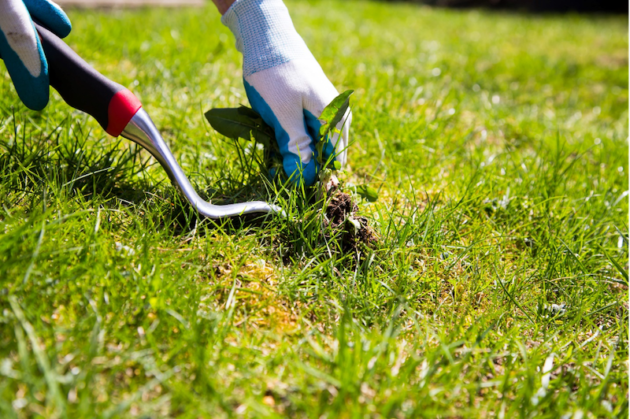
(142, 131)
(119, 112)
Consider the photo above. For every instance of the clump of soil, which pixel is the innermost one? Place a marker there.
(339, 207)
(341, 217)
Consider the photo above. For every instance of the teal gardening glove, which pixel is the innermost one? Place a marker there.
(285, 84)
(21, 49)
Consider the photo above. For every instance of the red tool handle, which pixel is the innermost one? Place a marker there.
(84, 88)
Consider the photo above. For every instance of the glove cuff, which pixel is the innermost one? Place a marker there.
(264, 34)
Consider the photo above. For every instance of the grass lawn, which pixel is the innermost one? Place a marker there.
(498, 286)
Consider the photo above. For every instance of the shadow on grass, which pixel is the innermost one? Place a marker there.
(68, 166)
(68, 163)
(75, 166)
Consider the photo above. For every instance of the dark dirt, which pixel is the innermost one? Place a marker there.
(340, 206)
(338, 210)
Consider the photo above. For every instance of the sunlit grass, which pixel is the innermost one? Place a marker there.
(498, 286)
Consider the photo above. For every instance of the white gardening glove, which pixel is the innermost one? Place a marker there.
(284, 84)
(21, 49)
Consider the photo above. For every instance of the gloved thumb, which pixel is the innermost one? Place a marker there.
(22, 53)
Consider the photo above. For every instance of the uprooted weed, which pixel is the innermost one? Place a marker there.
(324, 215)
(354, 232)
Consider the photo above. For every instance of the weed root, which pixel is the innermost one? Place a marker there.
(354, 232)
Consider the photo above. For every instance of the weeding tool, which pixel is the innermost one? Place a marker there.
(119, 112)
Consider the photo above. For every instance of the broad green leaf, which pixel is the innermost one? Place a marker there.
(367, 192)
(244, 110)
(240, 123)
(332, 114)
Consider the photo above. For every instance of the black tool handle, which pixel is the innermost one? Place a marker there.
(84, 88)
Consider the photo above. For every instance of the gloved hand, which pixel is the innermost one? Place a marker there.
(284, 84)
(21, 49)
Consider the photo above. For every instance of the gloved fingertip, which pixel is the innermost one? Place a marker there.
(309, 174)
(50, 15)
(35, 98)
(59, 25)
(33, 91)
(37, 104)
(300, 173)
(64, 28)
